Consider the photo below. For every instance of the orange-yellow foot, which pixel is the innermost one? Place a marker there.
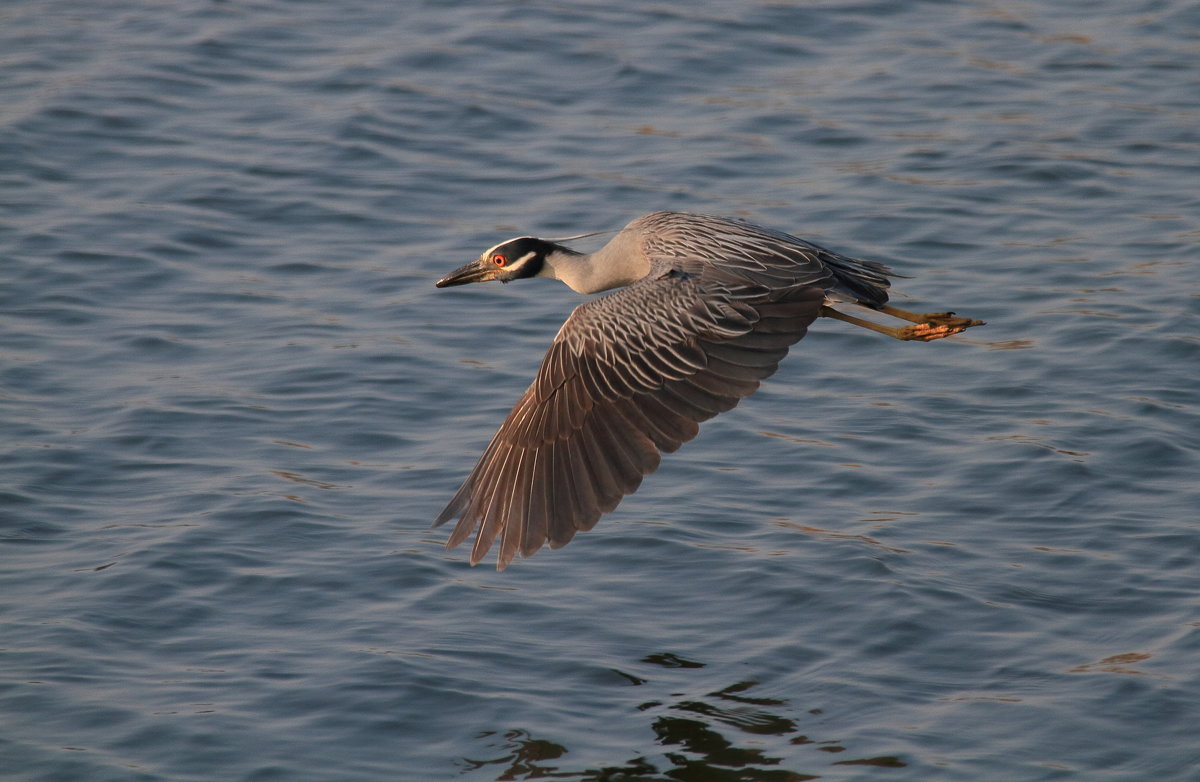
(935, 325)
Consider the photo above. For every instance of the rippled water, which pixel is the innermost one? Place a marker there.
(232, 401)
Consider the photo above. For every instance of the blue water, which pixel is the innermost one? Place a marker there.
(232, 402)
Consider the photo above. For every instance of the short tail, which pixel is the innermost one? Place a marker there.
(862, 282)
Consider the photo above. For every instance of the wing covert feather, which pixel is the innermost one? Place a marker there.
(628, 376)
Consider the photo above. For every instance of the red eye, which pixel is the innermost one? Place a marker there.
(499, 259)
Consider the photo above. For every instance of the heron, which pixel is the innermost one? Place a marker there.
(706, 308)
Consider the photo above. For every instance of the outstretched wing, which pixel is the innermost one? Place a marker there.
(629, 375)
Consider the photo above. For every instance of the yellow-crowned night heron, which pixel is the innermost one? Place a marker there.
(710, 308)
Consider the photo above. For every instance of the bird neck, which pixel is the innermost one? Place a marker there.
(620, 262)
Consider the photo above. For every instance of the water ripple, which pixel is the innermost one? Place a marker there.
(232, 401)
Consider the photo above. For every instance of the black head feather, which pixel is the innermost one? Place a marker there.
(518, 258)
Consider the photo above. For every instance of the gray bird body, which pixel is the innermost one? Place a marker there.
(707, 308)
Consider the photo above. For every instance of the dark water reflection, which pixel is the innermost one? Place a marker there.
(708, 738)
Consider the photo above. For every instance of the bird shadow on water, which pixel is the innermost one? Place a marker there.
(720, 736)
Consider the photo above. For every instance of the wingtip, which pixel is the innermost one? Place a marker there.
(476, 558)
(453, 508)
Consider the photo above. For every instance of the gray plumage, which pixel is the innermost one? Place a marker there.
(710, 308)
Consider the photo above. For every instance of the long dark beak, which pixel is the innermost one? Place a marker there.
(475, 271)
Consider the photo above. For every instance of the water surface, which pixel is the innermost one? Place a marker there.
(231, 400)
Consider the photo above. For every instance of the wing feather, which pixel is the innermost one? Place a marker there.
(629, 376)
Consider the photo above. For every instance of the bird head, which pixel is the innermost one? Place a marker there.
(514, 259)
